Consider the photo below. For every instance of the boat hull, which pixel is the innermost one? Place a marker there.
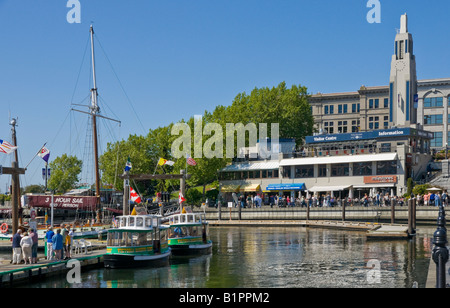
(191, 249)
(132, 261)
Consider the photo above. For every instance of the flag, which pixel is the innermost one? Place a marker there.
(44, 153)
(134, 196)
(190, 161)
(128, 165)
(181, 199)
(6, 147)
(163, 162)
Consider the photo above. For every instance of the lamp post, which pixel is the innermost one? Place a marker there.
(440, 252)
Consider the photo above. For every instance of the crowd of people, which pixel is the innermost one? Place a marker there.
(25, 245)
(327, 200)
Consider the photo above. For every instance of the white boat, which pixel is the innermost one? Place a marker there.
(189, 234)
(138, 240)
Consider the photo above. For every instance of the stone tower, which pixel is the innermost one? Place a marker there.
(403, 79)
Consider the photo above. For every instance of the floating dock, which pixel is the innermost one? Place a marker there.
(14, 274)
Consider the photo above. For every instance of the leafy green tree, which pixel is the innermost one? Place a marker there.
(34, 189)
(65, 172)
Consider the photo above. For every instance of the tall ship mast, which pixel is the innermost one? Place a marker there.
(94, 112)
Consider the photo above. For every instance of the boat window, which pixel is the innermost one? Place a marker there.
(150, 238)
(142, 239)
(148, 222)
(190, 218)
(122, 222)
(131, 221)
(139, 222)
(182, 219)
(134, 239)
(163, 236)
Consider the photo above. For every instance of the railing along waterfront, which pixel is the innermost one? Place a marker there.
(393, 213)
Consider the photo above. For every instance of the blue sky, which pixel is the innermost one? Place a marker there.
(175, 59)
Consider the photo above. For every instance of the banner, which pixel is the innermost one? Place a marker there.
(62, 202)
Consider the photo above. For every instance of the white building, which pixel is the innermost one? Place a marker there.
(373, 139)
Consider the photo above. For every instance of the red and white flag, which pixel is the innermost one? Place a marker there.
(134, 196)
(190, 161)
(181, 199)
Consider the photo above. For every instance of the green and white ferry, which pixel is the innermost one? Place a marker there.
(137, 240)
(189, 234)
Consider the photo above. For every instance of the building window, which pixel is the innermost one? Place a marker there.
(287, 172)
(354, 108)
(437, 141)
(328, 127)
(331, 109)
(322, 171)
(374, 103)
(364, 168)
(386, 167)
(304, 171)
(431, 102)
(386, 122)
(373, 123)
(325, 109)
(355, 126)
(342, 109)
(386, 103)
(340, 170)
(385, 148)
(432, 119)
(342, 127)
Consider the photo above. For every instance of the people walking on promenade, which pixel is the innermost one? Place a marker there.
(34, 248)
(17, 249)
(26, 243)
(49, 236)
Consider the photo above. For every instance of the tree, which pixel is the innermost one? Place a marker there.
(65, 172)
(34, 189)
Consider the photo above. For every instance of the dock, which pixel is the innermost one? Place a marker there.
(389, 231)
(14, 274)
(373, 230)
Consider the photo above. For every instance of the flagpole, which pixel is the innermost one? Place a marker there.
(35, 155)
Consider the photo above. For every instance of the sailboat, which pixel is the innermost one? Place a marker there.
(97, 224)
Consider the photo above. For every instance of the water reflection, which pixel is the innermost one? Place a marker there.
(279, 258)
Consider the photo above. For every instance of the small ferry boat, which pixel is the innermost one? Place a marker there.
(189, 234)
(138, 240)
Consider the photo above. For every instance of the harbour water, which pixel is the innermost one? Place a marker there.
(277, 257)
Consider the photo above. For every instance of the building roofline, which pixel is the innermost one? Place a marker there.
(365, 90)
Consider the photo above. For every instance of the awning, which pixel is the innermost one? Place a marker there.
(230, 188)
(250, 188)
(291, 186)
(269, 165)
(328, 188)
(338, 159)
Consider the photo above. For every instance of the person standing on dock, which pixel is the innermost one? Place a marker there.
(68, 243)
(26, 243)
(17, 250)
(34, 248)
(48, 236)
(57, 241)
